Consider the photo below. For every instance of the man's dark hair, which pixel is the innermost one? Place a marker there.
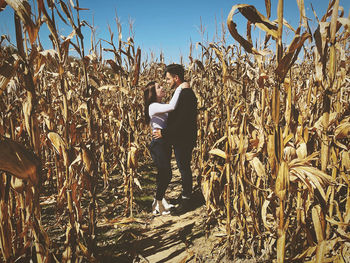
(176, 69)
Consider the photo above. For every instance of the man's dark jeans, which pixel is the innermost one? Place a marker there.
(183, 155)
(161, 154)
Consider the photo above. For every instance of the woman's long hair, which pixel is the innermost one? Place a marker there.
(149, 96)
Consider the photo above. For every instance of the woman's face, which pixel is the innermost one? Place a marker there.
(159, 92)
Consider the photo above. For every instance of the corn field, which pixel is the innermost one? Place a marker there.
(273, 150)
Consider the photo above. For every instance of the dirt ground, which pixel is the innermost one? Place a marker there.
(149, 238)
(145, 237)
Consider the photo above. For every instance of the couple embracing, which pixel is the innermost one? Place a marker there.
(174, 126)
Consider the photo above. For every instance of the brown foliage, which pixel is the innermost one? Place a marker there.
(272, 157)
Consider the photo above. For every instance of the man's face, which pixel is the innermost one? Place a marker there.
(170, 80)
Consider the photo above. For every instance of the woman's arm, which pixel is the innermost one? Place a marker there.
(155, 108)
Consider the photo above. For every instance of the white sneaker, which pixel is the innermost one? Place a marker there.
(155, 209)
(161, 207)
(158, 208)
(162, 210)
(166, 205)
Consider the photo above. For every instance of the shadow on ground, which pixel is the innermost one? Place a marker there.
(163, 238)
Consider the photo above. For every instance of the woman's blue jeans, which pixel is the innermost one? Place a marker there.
(160, 151)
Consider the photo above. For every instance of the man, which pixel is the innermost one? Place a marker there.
(181, 131)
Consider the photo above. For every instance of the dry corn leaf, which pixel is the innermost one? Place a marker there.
(88, 159)
(137, 182)
(48, 21)
(258, 167)
(234, 33)
(7, 71)
(23, 10)
(70, 19)
(302, 151)
(266, 218)
(268, 8)
(345, 157)
(345, 22)
(218, 152)
(281, 243)
(65, 49)
(6, 234)
(67, 253)
(113, 88)
(199, 64)
(291, 54)
(288, 112)
(57, 142)
(282, 181)
(332, 50)
(47, 120)
(60, 146)
(342, 131)
(205, 186)
(271, 152)
(49, 53)
(303, 17)
(87, 253)
(321, 250)
(3, 4)
(27, 111)
(18, 161)
(256, 18)
(313, 176)
(17, 184)
(334, 222)
(116, 68)
(289, 153)
(132, 157)
(316, 210)
(320, 123)
(306, 161)
(288, 138)
(307, 253)
(220, 55)
(136, 73)
(220, 140)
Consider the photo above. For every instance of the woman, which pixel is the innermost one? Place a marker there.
(156, 114)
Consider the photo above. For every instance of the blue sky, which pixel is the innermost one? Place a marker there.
(169, 26)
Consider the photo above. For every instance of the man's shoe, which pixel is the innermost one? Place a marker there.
(179, 199)
(183, 207)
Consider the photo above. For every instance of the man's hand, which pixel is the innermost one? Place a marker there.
(157, 134)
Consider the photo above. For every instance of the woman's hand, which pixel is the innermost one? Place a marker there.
(157, 134)
(185, 85)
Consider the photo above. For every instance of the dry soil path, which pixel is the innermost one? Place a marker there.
(179, 238)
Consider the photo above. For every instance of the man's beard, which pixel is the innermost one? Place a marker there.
(174, 86)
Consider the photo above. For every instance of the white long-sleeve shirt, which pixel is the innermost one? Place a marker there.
(158, 112)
